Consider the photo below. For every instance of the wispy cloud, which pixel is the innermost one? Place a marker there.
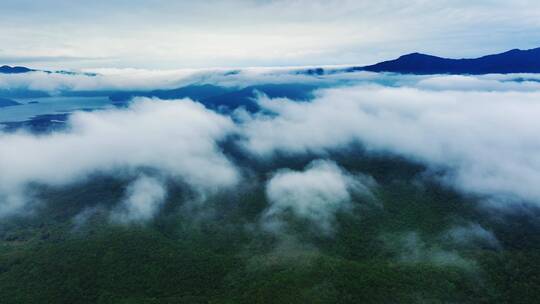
(485, 141)
(315, 194)
(178, 139)
(143, 199)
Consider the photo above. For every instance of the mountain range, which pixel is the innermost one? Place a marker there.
(513, 61)
(218, 97)
(6, 69)
(4, 102)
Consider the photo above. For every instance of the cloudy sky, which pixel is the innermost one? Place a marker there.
(176, 34)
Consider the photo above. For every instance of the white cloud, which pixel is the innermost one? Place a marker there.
(177, 138)
(487, 141)
(472, 234)
(145, 80)
(315, 194)
(113, 79)
(494, 82)
(143, 199)
(480, 129)
(412, 249)
(109, 79)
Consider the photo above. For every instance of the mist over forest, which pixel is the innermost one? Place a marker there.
(273, 186)
(248, 151)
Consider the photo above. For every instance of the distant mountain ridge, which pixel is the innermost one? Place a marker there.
(4, 102)
(513, 61)
(227, 99)
(6, 69)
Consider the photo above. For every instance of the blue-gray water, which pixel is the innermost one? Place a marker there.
(51, 105)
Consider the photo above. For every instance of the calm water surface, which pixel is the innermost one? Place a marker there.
(51, 105)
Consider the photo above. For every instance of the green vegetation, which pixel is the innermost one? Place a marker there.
(390, 250)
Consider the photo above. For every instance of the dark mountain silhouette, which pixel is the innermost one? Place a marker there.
(38, 124)
(4, 102)
(16, 93)
(193, 91)
(246, 97)
(6, 69)
(514, 61)
(217, 97)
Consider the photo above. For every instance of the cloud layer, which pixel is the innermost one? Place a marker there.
(178, 139)
(113, 79)
(476, 133)
(315, 194)
(485, 141)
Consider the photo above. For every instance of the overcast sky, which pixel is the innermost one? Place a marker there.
(176, 34)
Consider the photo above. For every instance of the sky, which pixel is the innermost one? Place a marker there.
(161, 34)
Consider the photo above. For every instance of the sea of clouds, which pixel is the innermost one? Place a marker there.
(479, 133)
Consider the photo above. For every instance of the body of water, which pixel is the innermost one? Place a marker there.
(51, 105)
